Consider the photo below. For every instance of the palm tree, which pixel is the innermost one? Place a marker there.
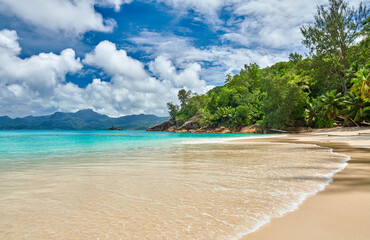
(330, 104)
(312, 113)
(361, 84)
(357, 109)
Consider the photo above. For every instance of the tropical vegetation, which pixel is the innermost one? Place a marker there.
(329, 86)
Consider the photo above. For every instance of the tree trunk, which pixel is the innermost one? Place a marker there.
(344, 61)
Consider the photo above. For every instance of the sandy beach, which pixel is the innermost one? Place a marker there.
(342, 210)
(183, 188)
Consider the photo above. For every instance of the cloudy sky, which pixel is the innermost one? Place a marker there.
(122, 57)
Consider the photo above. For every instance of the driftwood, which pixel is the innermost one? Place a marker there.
(278, 130)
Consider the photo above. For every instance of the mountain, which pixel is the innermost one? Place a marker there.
(85, 119)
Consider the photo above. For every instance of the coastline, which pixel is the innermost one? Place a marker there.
(342, 210)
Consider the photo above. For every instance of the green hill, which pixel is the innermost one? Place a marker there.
(82, 120)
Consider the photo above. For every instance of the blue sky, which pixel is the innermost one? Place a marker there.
(123, 57)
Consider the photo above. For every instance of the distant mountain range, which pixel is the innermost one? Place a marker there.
(82, 120)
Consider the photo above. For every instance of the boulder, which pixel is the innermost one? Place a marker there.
(226, 130)
(113, 128)
(162, 126)
(192, 124)
(252, 129)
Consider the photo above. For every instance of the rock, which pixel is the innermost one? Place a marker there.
(172, 129)
(218, 130)
(193, 123)
(162, 126)
(182, 130)
(291, 129)
(113, 128)
(252, 129)
(226, 130)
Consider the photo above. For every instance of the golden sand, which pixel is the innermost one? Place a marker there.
(342, 211)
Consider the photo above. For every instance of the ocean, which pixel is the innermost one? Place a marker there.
(151, 185)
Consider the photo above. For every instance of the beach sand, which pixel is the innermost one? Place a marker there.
(342, 210)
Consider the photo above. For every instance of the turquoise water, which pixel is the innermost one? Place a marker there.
(151, 185)
(35, 146)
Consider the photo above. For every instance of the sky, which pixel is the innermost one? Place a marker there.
(123, 57)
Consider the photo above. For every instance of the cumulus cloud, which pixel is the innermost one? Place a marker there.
(189, 77)
(251, 31)
(9, 42)
(271, 24)
(207, 8)
(37, 85)
(70, 16)
(40, 72)
(215, 61)
(134, 90)
(113, 3)
(26, 83)
(115, 62)
(266, 23)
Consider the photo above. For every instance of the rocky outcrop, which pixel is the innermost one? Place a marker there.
(113, 128)
(192, 124)
(252, 129)
(166, 126)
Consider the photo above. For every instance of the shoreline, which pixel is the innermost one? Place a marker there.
(341, 210)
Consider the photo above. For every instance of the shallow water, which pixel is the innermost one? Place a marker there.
(137, 185)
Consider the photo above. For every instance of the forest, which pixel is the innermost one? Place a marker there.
(330, 86)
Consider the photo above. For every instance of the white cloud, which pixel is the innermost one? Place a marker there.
(113, 3)
(207, 8)
(272, 24)
(115, 62)
(256, 31)
(188, 78)
(216, 61)
(9, 42)
(71, 16)
(260, 31)
(27, 84)
(41, 72)
(37, 85)
(132, 89)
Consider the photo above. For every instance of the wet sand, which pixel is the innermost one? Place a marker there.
(342, 210)
(186, 191)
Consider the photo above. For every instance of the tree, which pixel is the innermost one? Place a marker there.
(335, 29)
(184, 96)
(311, 114)
(361, 83)
(357, 109)
(330, 104)
(295, 57)
(172, 110)
(284, 103)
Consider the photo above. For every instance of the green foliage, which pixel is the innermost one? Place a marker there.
(323, 123)
(361, 83)
(330, 105)
(335, 29)
(285, 101)
(356, 108)
(184, 96)
(310, 91)
(312, 114)
(172, 110)
(295, 57)
(181, 119)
